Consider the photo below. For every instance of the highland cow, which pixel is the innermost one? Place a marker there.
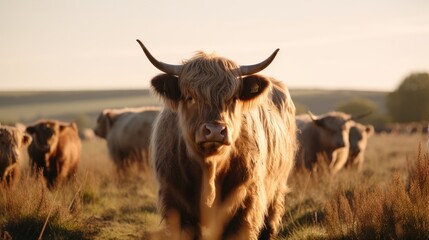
(55, 150)
(325, 139)
(358, 139)
(12, 142)
(127, 132)
(222, 149)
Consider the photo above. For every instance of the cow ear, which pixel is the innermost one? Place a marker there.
(31, 129)
(61, 127)
(26, 139)
(167, 87)
(319, 122)
(73, 125)
(369, 129)
(253, 86)
(110, 118)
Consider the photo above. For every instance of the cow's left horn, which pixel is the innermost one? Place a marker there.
(167, 68)
(360, 116)
(251, 69)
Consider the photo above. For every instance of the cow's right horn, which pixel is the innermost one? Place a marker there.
(164, 67)
(251, 69)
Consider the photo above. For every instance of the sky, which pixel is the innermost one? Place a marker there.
(330, 44)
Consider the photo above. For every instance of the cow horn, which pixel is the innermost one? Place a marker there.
(251, 69)
(360, 116)
(312, 117)
(164, 67)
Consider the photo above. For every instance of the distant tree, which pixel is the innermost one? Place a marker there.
(410, 101)
(357, 106)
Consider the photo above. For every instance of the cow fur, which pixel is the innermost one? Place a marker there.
(323, 139)
(12, 142)
(55, 150)
(127, 132)
(358, 139)
(235, 190)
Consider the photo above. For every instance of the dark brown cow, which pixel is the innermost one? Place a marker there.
(12, 141)
(223, 148)
(324, 138)
(55, 150)
(358, 139)
(127, 132)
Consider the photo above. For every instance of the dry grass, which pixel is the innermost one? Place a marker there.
(398, 211)
(30, 211)
(97, 205)
(387, 200)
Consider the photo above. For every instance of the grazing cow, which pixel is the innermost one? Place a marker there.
(127, 132)
(324, 138)
(222, 149)
(12, 141)
(358, 139)
(55, 150)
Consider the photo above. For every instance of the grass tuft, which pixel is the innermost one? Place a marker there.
(398, 211)
(26, 209)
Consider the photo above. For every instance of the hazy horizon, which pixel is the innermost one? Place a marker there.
(90, 45)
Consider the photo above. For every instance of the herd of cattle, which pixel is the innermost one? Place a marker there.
(222, 149)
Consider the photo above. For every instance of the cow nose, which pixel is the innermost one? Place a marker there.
(214, 132)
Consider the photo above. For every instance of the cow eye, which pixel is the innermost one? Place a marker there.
(190, 100)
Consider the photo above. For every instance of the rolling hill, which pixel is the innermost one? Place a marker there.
(84, 106)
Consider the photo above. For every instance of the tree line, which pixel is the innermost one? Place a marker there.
(408, 103)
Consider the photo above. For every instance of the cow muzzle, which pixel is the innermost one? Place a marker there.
(210, 137)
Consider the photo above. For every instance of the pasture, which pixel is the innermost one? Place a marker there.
(387, 200)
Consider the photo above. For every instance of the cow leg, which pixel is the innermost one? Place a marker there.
(248, 222)
(175, 230)
(245, 230)
(274, 218)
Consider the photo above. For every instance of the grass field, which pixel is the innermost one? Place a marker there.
(101, 205)
(387, 200)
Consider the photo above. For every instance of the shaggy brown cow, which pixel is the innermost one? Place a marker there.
(12, 141)
(324, 138)
(358, 139)
(223, 148)
(55, 150)
(127, 132)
